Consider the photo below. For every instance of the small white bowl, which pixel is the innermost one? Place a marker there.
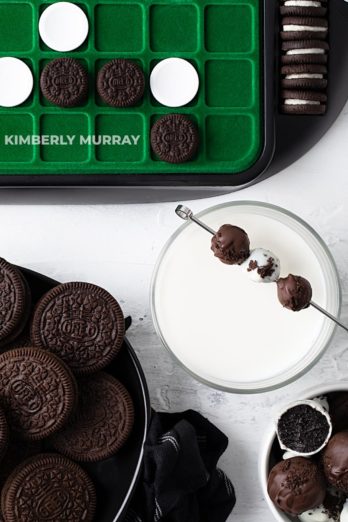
(270, 438)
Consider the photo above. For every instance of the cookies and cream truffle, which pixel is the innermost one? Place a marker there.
(262, 266)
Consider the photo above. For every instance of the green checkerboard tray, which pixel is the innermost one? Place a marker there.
(224, 39)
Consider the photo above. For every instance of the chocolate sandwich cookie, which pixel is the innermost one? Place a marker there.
(102, 423)
(64, 82)
(4, 435)
(304, 28)
(311, 76)
(37, 391)
(175, 138)
(121, 83)
(48, 487)
(303, 102)
(81, 323)
(304, 51)
(15, 301)
(311, 8)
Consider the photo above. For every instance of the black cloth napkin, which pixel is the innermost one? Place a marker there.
(181, 482)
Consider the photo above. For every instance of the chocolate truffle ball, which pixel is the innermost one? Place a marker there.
(231, 245)
(296, 485)
(335, 460)
(294, 292)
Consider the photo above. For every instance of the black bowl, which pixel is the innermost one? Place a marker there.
(115, 478)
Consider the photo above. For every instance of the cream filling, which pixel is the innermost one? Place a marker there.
(301, 102)
(302, 3)
(294, 27)
(305, 51)
(304, 76)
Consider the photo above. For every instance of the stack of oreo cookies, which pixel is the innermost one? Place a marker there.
(304, 57)
(59, 406)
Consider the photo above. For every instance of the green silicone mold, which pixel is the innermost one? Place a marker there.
(222, 39)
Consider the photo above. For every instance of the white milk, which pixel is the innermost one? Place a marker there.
(223, 327)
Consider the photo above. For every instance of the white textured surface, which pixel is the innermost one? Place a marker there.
(117, 246)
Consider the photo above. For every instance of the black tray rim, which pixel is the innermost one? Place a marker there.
(147, 410)
(185, 179)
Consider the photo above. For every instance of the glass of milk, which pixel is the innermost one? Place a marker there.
(228, 331)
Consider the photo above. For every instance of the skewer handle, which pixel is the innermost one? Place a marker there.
(187, 214)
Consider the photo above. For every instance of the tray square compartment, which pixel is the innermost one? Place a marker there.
(93, 82)
(229, 28)
(174, 28)
(44, 102)
(126, 132)
(243, 146)
(158, 163)
(229, 83)
(60, 126)
(20, 37)
(197, 65)
(45, 47)
(14, 127)
(119, 27)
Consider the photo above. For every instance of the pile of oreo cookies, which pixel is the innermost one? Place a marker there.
(304, 56)
(57, 407)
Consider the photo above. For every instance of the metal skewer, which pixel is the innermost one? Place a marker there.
(187, 214)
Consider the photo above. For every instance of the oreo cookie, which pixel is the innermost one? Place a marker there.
(304, 28)
(48, 487)
(175, 138)
(303, 102)
(3, 433)
(311, 8)
(121, 83)
(311, 76)
(15, 302)
(304, 51)
(37, 391)
(64, 82)
(102, 423)
(81, 323)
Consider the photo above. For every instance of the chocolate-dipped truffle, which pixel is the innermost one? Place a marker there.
(335, 460)
(296, 485)
(294, 292)
(231, 245)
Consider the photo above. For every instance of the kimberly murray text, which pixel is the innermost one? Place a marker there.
(70, 140)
